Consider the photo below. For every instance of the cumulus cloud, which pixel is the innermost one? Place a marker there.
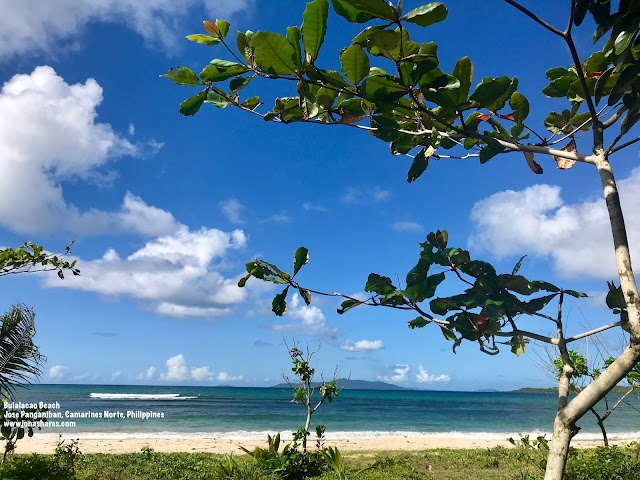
(424, 377)
(363, 346)
(232, 209)
(115, 375)
(538, 221)
(225, 377)
(311, 320)
(57, 371)
(22, 22)
(173, 275)
(361, 196)
(201, 373)
(176, 369)
(49, 135)
(407, 227)
(400, 373)
(148, 375)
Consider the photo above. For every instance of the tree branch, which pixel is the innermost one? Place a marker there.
(592, 332)
(624, 145)
(537, 19)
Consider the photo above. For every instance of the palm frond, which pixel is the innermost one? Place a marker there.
(20, 359)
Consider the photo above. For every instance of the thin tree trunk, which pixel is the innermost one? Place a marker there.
(559, 448)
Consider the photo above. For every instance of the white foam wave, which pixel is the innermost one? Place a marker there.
(139, 396)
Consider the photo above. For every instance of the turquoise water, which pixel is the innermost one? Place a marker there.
(251, 412)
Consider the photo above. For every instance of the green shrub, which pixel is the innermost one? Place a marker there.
(604, 463)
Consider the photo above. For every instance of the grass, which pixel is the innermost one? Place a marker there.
(441, 464)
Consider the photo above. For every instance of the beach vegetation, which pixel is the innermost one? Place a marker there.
(426, 113)
(499, 463)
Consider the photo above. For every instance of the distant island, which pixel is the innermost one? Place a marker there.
(615, 390)
(356, 385)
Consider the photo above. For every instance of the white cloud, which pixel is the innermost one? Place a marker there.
(361, 196)
(148, 375)
(115, 375)
(400, 373)
(363, 346)
(277, 218)
(27, 26)
(424, 377)
(232, 209)
(311, 207)
(173, 275)
(407, 227)
(176, 369)
(225, 377)
(312, 320)
(57, 371)
(48, 136)
(132, 129)
(201, 373)
(536, 220)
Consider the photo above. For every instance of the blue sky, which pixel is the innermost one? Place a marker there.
(165, 210)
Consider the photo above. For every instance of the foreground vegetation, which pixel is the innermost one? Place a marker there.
(523, 463)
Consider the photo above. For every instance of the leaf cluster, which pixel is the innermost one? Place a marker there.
(32, 258)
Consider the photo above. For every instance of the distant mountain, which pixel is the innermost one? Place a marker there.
(615, 390)
(355, 385)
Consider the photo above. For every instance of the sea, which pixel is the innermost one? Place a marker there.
(117, 412)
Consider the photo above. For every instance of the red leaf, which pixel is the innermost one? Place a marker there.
(346, 117)
(565, 163)
(483, 116)
(508, 116)
(533, 165)
(211, 27)
(483, 321)
(594, 75)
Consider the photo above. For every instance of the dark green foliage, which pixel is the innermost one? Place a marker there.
(604, 463)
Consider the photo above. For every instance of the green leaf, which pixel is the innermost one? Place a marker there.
(274, 54)
(294, 36)
(300, 258)
(184, 76)
(537, 304)
(348, 305)
(490, 151)
(216, 100)
(518, 345)
(307, 101)
(355, 64)
(385, 43)
(382, 88)
(448, 334)
(629, 120)
(559, 87)
(251, 103)
(243, 42)
(520, 106)
(279, 304)
(463, 71)
(426, 15)
(557, 72)
(420, 163)
(192, 104)
(490, 90)
(518, 265)
(306, 295)
(314, 26)
(207, 40)
(361, 11)
(221, 70)
(418, 322)
(573, 293)
(238, 83)
(379, 285)
(223, 27)
(419, 292)
(623, 40)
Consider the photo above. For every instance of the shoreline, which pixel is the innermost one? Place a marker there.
(47, 444)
